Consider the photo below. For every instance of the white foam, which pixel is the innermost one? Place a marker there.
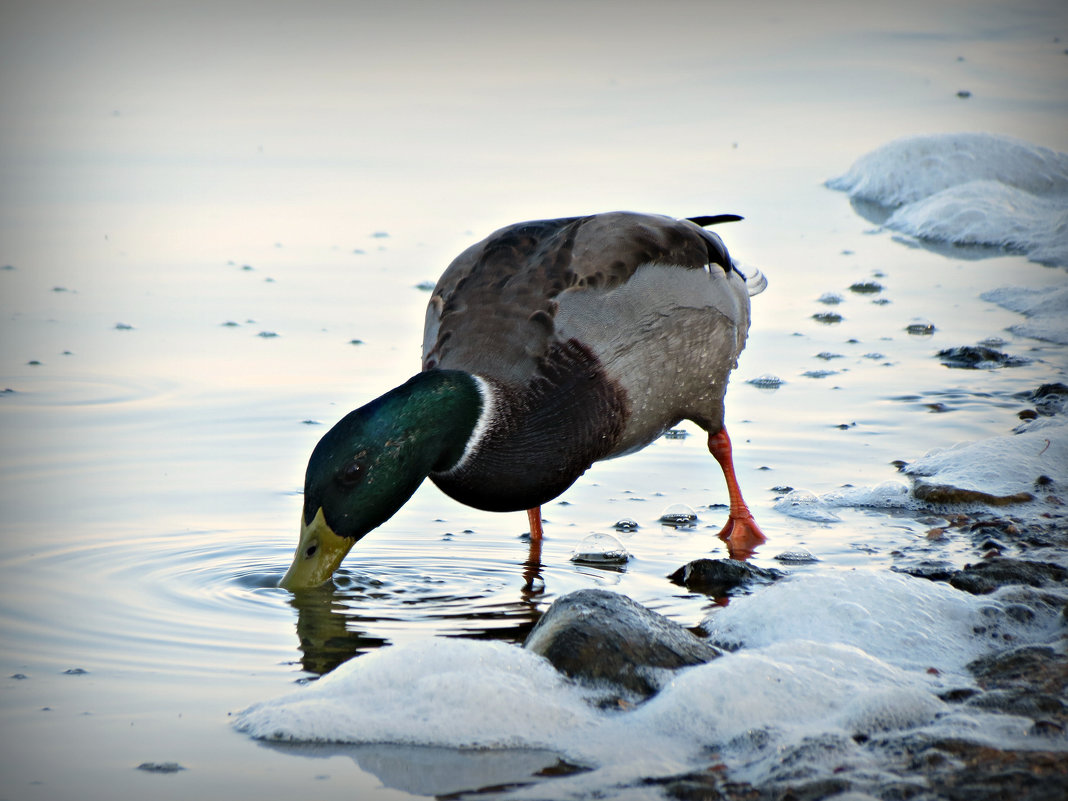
(1045, 310)
(829, 655)
(805, 505)
(432, 693)
(891, 622)
(969, 188)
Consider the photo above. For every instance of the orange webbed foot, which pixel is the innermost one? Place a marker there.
(742, 536)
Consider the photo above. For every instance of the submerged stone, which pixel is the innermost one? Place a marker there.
(160, 767)
(766, 381)
(718, 577)
(866, 287)
(798, 557)
(602, 637)
(827, 318)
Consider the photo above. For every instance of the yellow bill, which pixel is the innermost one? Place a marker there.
(319, 554)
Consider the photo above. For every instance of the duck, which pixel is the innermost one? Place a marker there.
(548, 346)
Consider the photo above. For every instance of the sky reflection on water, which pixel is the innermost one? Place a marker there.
(177, 181)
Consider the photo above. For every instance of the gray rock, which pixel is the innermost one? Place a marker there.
(601, 637)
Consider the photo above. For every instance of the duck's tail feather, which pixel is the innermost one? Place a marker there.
(755, 282)
(714, 219)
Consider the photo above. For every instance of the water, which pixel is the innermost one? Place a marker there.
(177, 183)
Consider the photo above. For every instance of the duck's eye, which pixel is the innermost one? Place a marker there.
(352, 474)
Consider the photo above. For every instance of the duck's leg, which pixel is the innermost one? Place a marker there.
(741, 533)
(533, 565)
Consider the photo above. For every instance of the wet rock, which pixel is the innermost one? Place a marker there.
(1050, 399)
(718, 577)
(1040, 707)
(1032, 668)
(602, 637)
(974, 357)
(985, 577)
(958, 770)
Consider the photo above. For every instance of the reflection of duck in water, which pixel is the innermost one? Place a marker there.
(548, 346)
(334, 623)
(326, 640)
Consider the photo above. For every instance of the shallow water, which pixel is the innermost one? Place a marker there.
(202, 209)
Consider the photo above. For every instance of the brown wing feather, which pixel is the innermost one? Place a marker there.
(492, 311)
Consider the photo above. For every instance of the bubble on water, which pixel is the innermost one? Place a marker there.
(679, 515)
(887, 495)
(920, 328)
(600, 549)
(626, 524)
(804, 505)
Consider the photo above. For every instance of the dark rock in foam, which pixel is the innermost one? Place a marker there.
(604, 638)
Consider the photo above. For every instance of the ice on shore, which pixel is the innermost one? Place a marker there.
(969, 189)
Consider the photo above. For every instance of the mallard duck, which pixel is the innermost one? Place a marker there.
(548, 346)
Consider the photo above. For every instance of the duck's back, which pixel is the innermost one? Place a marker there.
(654, 300)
